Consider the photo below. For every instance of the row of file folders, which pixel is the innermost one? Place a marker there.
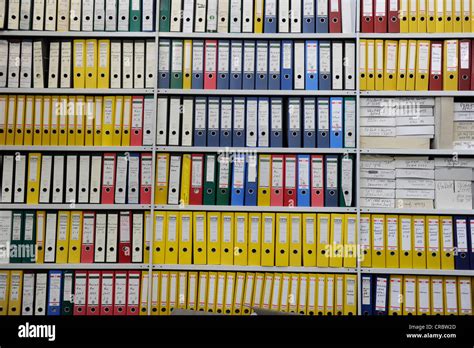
(416, 295)
(418, 241)
(253, 16)
(127, 292)
(77, 120)
(251, 180)
(189, 121)
(417, 16)
(261, 64)
(416, 65)
(214, 238)
(103, 178)
(78, 15)
(92, 63)
(257, 122)
(196, 179)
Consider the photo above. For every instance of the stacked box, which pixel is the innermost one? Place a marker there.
(397, 122)
(463, 125)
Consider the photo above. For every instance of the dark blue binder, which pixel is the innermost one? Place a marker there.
(270, 22)
(276, 122)
(322, 20)
(197, 81)
(367, 308)
(200, 121)
(322, 117)
(54, 304)
(308, 16)
(223, 64)
(238, 119)
(213, 119)
(236, 64)
(249, 65)
(294, 122)
(274, 65)
(261, 64)
(225, 138)
(331, 182)
(286, 75)
(324, 61)
(309, 122)
(461, 242)
(238, 180)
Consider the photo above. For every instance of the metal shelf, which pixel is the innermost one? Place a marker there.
(78, 91)
(416, 93)
(94, 266)
(31, 148)
(429, 152)
(234, 208)
(429, 36)
(74, 34)
(234, 268)
(193, 149)
(440, 272)
(258, 36)
(254, 92)
(69, 206)
(364, 210)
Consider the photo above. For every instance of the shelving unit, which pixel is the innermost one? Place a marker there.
(32, 148)
(154, 148)
(73, 206)
(80, 34)
(391, 36)
(262, 36)
(253, 92)
(79, 91)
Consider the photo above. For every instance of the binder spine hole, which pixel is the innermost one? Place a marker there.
(440, 19)
(379, 253)
(466, 18)
(458, 19)
(448, 18)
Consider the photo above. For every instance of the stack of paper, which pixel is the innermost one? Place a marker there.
(397, 122)
(463, 132)
(415, 187)
(454, 188)
(377, 181)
